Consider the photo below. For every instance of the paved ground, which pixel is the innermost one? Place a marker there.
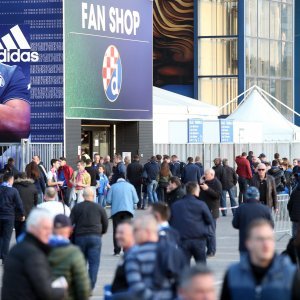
(227, 245)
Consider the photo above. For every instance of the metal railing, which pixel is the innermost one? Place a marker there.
(23, 152)
(282, 222)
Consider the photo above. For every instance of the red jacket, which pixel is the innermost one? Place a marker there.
(68, 172)
(243, 167)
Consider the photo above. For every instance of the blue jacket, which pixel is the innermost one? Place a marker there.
(122, 196)
(152, 170)
(175, 169)
(245, 214)
(103, 181)
(191, 173)
(10, 203)
(276, 285)
(191, 218)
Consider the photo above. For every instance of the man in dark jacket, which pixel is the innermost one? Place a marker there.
(90, 221)
(247, 212)
(199, 165)
(245, 174)
(192, 218)
(42, 169)
(119, 169)
(218, 168)
(174, 190)
(278, 176)
(134, 176)
(175, 166)
(211, 193)
(228, 184)
(29, 196)
(10, 207)
(190, 172)
(266, 186)
(151, 170)
(93, 173)
(294, 209)
(27, 274)
(10, 168)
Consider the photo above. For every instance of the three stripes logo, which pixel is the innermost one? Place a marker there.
(15, 48)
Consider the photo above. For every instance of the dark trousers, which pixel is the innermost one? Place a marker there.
(194, 248)
(138, 188)
(6, 229)
(162, 192)
(243, 184)
(117, 219)
(64, 195)
(90, 246)
(211, 239)
(19, 228)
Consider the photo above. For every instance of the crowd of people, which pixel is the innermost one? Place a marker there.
(60, 216)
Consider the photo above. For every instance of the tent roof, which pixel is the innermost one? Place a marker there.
(165, 102)
(255, 108)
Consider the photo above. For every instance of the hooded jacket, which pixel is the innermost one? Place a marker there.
(279, 178)
(28, 193)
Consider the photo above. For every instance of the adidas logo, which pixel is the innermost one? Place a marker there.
(13, 47)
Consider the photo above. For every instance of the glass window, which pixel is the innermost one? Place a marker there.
(226, 55)
(264, 84)
(287, 22)
(287, 98)
(263, 19)
(287, 60)
(218, 91)
(251, 56)
(206, 18)
(251, 17)
(275, 58)
(250, 82)
(275, 20)
(263, 58)
(227, 14)
(217, 57)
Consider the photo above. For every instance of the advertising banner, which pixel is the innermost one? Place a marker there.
(31, 42)
(173, 46)
(195, 131)
(226, 131)
(108, 59)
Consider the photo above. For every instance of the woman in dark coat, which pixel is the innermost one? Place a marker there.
(33, 172)
(29, 197)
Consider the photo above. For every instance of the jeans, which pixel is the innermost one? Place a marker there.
(232, 201)
(162, 191)
(194, 248)
(101, 200)
(138, 188)
(90, 246)
(243, 184)
(211, 239)
(6, 230)
(117, 219)
(19, 228)
(151, 190)
(295, 228)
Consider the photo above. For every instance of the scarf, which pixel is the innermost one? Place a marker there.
(79, 179)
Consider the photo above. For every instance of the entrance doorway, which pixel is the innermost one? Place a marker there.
(97, 139)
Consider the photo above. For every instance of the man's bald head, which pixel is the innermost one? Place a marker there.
(89, 194)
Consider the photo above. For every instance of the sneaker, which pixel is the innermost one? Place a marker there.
(211, 255)
(116, 254)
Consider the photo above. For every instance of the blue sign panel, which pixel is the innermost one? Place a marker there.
(195, 131)
(31, 37)
(226, 131)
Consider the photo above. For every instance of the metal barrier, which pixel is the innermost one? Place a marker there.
(281, 219)
(22, 153)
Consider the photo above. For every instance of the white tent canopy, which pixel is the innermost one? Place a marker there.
(256, 107)
(177, 107)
